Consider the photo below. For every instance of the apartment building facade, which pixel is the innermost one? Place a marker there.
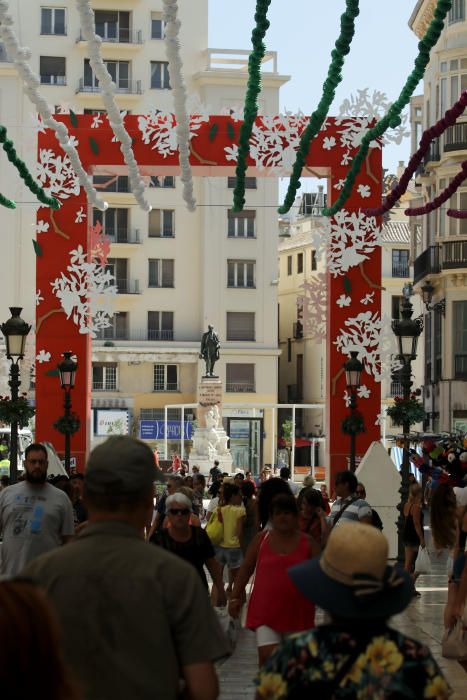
(176, 271)
(439, 242)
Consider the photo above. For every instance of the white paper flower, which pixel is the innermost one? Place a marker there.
(42, 226)
(231, 152)
(364, 191)
(43, 356)
(380, 419)
(39, 297)
(96, 121)
(368, 299)
(329, 142)
(80, 216)
(347, 398)
(339, 185)
(343, 301)
(363, 392)
(346, 158)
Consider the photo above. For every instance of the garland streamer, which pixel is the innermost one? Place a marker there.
(450, 118)
(20, 56)
(443, 197)
(251, 100)
(9, 148)
(108, 89)
(172, 47)
(334, 77)
(392, 119)
(457, 213)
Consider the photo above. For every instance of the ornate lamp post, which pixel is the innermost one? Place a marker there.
(68, 424)
(407, 331)
(353, 372)
(15, 331)
(427, 296)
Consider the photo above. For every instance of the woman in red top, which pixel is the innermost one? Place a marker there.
(276, 607)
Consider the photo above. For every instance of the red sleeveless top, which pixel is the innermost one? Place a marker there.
(275, 601)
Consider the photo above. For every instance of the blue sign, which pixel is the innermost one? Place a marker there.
(155, 430)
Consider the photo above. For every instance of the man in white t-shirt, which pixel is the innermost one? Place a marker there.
(285, 476)
(35, 517)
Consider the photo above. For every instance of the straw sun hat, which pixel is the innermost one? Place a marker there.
(352, 578)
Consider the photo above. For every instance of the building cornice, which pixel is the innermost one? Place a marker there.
(421, 17)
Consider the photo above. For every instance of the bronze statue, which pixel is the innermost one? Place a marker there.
(209, 350)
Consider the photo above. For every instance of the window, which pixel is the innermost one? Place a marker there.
(289, 264)
(314, 264)
(114, 222)
(118, 267)
(396, 302)
(241, 224)
(438, 344)
(299, 263)
(52, 70)
(164, 181)
(112, 25)
(53, 20)
(161, 223)
(158, 414)
(111, 183)
(240, 325)
(165, 377)
(161, 272)
(160, 325)
(160, 79)
(428, 348)
(118, 330)
(240, 378)
(457, 11)
(104, 377)
(241, 273)
(400, 263)
(157, 26)
(459, 335)
(119, 71)
(250, 183)
(93, 111)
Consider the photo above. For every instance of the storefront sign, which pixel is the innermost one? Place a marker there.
(243, 413)
(155, 430)
(111, 422)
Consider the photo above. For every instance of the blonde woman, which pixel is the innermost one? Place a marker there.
(413, 528)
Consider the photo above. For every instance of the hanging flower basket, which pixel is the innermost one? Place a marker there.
(19, 410)
(67, 425)
(409, 411)
(353, 424)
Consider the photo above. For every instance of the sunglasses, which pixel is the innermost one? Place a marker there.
(178, 511)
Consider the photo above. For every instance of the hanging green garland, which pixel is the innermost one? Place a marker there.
(392, 119)
(334, 77)
(251, 100)
(22, 168)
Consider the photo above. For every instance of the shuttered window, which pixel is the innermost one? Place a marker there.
(241, 224)
(240, 325)
(240, 378)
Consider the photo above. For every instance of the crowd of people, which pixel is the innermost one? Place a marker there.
(128, 608)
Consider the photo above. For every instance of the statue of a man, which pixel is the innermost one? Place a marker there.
(209, 350)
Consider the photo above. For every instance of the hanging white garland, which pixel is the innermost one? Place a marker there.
(20, 56)
(172, 47)
(108, 89)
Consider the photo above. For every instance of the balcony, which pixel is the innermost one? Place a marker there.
(117, 35)
(454, 255)
(396, 389)
(124, 235)
(400, 270)
(169, 386)
(125, 87)
(240, 387)
(155, 334)
(460, 366)
(455, 137)
(127, 286)
(104, 386)
(53, 79)
(432, 154)
(138, 336)
(428, 263)
(297, 330)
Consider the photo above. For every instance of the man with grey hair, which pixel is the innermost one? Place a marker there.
(136, 620)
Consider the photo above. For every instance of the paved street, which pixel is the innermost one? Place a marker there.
(422, 620)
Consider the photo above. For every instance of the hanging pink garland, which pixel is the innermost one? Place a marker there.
(457, 213)
(443, 197)
(450, 117)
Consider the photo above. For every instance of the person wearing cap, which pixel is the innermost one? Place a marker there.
(136, 619)
(355, 655)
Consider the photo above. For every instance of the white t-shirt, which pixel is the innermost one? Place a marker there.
(33, 520)
(293, 486)
(461, 496)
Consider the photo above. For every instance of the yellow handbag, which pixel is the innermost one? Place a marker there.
(215, 528)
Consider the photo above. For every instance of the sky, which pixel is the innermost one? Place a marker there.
(303, 32)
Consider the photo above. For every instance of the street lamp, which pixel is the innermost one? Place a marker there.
(15, 331)
(68, 424)
(427, 296)
(407, 331)
(353, 372)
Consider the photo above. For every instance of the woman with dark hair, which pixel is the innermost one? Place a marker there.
(251, 524)
(276, 607)
(355, 654)
(232, 515)
(31, 661)
(268, 490)
(312, 515)
(443, 517)
(413, 528)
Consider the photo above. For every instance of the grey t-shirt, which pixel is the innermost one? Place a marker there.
(33, 520)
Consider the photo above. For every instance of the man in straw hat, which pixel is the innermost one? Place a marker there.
(136, 619)
(356, 655)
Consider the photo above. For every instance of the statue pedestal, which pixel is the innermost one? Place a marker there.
(209, 438)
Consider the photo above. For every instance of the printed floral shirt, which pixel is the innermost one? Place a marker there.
(392, 666)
